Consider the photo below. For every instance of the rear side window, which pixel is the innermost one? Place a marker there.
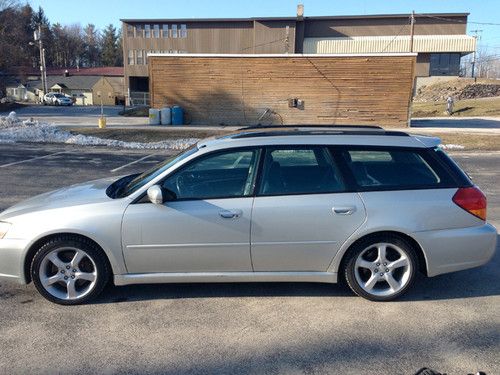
(299, 170)
(377, 169)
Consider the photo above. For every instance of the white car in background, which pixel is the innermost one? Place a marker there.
(54, 98)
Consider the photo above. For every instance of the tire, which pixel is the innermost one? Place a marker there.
(70, 270)
(380, 267)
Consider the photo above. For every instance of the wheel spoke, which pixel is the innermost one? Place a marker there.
(370, 283)
(48, 281)
(401, 262)
(365, 264)
(89, 276)
(77, 258)
(54, 259)
(381, 249)
(391, 281)
(71, 288)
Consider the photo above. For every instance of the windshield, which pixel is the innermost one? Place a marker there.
(154, 172)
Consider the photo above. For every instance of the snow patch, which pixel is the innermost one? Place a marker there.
(13, 129)
(451, 146)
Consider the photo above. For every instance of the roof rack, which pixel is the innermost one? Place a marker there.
(312, 126)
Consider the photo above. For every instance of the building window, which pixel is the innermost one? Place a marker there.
(184, 32)
(140, 57)
(130, 31)
(138, 31)
(174, 31)
(445, 64)
(165, 31)
(147, 31)
(131, 57)
(156, 31)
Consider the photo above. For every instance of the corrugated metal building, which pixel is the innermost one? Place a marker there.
(440, 39)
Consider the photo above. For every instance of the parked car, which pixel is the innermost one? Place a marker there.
(313, 204)
(54, 98)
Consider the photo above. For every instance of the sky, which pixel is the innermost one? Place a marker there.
(104, 12)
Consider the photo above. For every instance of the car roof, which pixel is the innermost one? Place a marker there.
(318, 134)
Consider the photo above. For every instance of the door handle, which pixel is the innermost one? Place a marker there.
(344, 210)
(230, 214)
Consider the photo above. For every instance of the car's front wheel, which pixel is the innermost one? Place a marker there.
(381, 268)
(69, 270)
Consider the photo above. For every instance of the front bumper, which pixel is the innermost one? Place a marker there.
(453, 250)
(12, 252)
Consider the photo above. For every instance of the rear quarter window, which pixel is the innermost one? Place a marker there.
(395, 169)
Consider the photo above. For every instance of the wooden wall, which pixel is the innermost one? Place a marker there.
(237, 90)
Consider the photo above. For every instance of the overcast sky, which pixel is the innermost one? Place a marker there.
(103, 12)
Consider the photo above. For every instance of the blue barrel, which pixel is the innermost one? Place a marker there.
(177, 115)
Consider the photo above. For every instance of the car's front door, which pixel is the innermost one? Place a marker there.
(302, 213)
(206, 228)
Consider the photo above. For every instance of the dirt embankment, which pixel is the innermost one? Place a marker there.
(459, 89)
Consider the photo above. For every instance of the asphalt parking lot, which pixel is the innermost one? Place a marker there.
(450, 323)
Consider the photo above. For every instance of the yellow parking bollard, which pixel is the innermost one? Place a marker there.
(102, 122)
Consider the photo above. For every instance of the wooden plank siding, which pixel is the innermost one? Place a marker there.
(237, 90)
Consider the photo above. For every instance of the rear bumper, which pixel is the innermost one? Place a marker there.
(453, 250)
(12, 259)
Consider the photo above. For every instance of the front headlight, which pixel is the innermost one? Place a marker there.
(4, 227)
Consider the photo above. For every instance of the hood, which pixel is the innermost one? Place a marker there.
(74, 195)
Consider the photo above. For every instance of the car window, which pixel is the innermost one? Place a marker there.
(228, 174)
(300, 170)
(396, 169)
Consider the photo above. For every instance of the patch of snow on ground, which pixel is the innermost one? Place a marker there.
(13, 129)
(451, 146)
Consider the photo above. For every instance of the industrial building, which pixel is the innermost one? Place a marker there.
(440, 40)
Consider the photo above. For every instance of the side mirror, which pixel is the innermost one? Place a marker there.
(160, 195)
(155, 194)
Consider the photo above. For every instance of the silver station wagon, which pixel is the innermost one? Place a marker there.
(310, 204)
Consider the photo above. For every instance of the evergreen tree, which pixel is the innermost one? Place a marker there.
(91, 46)
(109, 47)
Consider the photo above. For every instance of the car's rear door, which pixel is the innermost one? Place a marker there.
(302, 213)
(206, 228)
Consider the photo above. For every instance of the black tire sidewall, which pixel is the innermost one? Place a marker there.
(90, 248)
(353, 253)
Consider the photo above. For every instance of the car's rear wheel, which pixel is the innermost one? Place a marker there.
(69, 270)
(381, 268)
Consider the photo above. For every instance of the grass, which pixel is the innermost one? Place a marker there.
(146, 135)
(470, 141)
(467, 107)
(135, 112)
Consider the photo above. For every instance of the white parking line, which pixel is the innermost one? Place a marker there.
(37, 158)
(132, 163)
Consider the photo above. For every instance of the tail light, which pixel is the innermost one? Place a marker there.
(472, 200)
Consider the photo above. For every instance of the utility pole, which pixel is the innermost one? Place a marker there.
(476, 36)
(43, 68)
(412, 29)
(287, 40)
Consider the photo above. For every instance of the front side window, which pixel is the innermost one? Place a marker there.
(131, 57)
(147, 31)
(165, 30)
(229, 174)
(156, 31)
(300, 170)
(375, 169)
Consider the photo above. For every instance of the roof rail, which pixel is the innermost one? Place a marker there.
(312, 126)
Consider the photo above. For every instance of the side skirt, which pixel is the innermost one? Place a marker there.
(224, 277)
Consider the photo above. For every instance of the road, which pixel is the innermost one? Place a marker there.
(450, 323)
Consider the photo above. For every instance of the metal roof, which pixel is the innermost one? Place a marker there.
(251, 19)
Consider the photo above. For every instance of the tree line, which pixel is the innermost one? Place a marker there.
(66, 46)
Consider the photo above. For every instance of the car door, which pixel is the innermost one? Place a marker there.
(302, 213)
(206, 228)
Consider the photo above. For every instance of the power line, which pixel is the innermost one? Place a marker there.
(457, 21)
(396, 36)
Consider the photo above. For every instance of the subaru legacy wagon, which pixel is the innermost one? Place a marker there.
(307, 204)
